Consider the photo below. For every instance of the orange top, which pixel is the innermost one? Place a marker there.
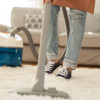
(85, 5)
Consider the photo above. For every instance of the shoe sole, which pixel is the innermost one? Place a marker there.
(63, 76)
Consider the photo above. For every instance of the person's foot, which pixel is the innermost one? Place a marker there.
(51, 66)
(65, 73)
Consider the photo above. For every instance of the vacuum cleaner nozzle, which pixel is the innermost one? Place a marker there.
(52, 92)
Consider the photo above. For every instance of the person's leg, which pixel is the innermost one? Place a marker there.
(52, 45)
(77, 27)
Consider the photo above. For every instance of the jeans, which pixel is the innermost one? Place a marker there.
(77, 26)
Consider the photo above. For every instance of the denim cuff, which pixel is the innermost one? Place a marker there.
(51, 56)
(69, 64)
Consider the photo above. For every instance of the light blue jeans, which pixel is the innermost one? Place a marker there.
(77, 26)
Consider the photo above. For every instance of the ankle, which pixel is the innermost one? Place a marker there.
(54, 60)
(70, 69)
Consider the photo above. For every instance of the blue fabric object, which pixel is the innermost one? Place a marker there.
(11, 56)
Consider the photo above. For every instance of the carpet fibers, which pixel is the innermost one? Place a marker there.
(84, 85)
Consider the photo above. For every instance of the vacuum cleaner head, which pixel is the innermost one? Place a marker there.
(52, 92)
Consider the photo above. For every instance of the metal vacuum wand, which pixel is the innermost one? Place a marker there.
(38, 88)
